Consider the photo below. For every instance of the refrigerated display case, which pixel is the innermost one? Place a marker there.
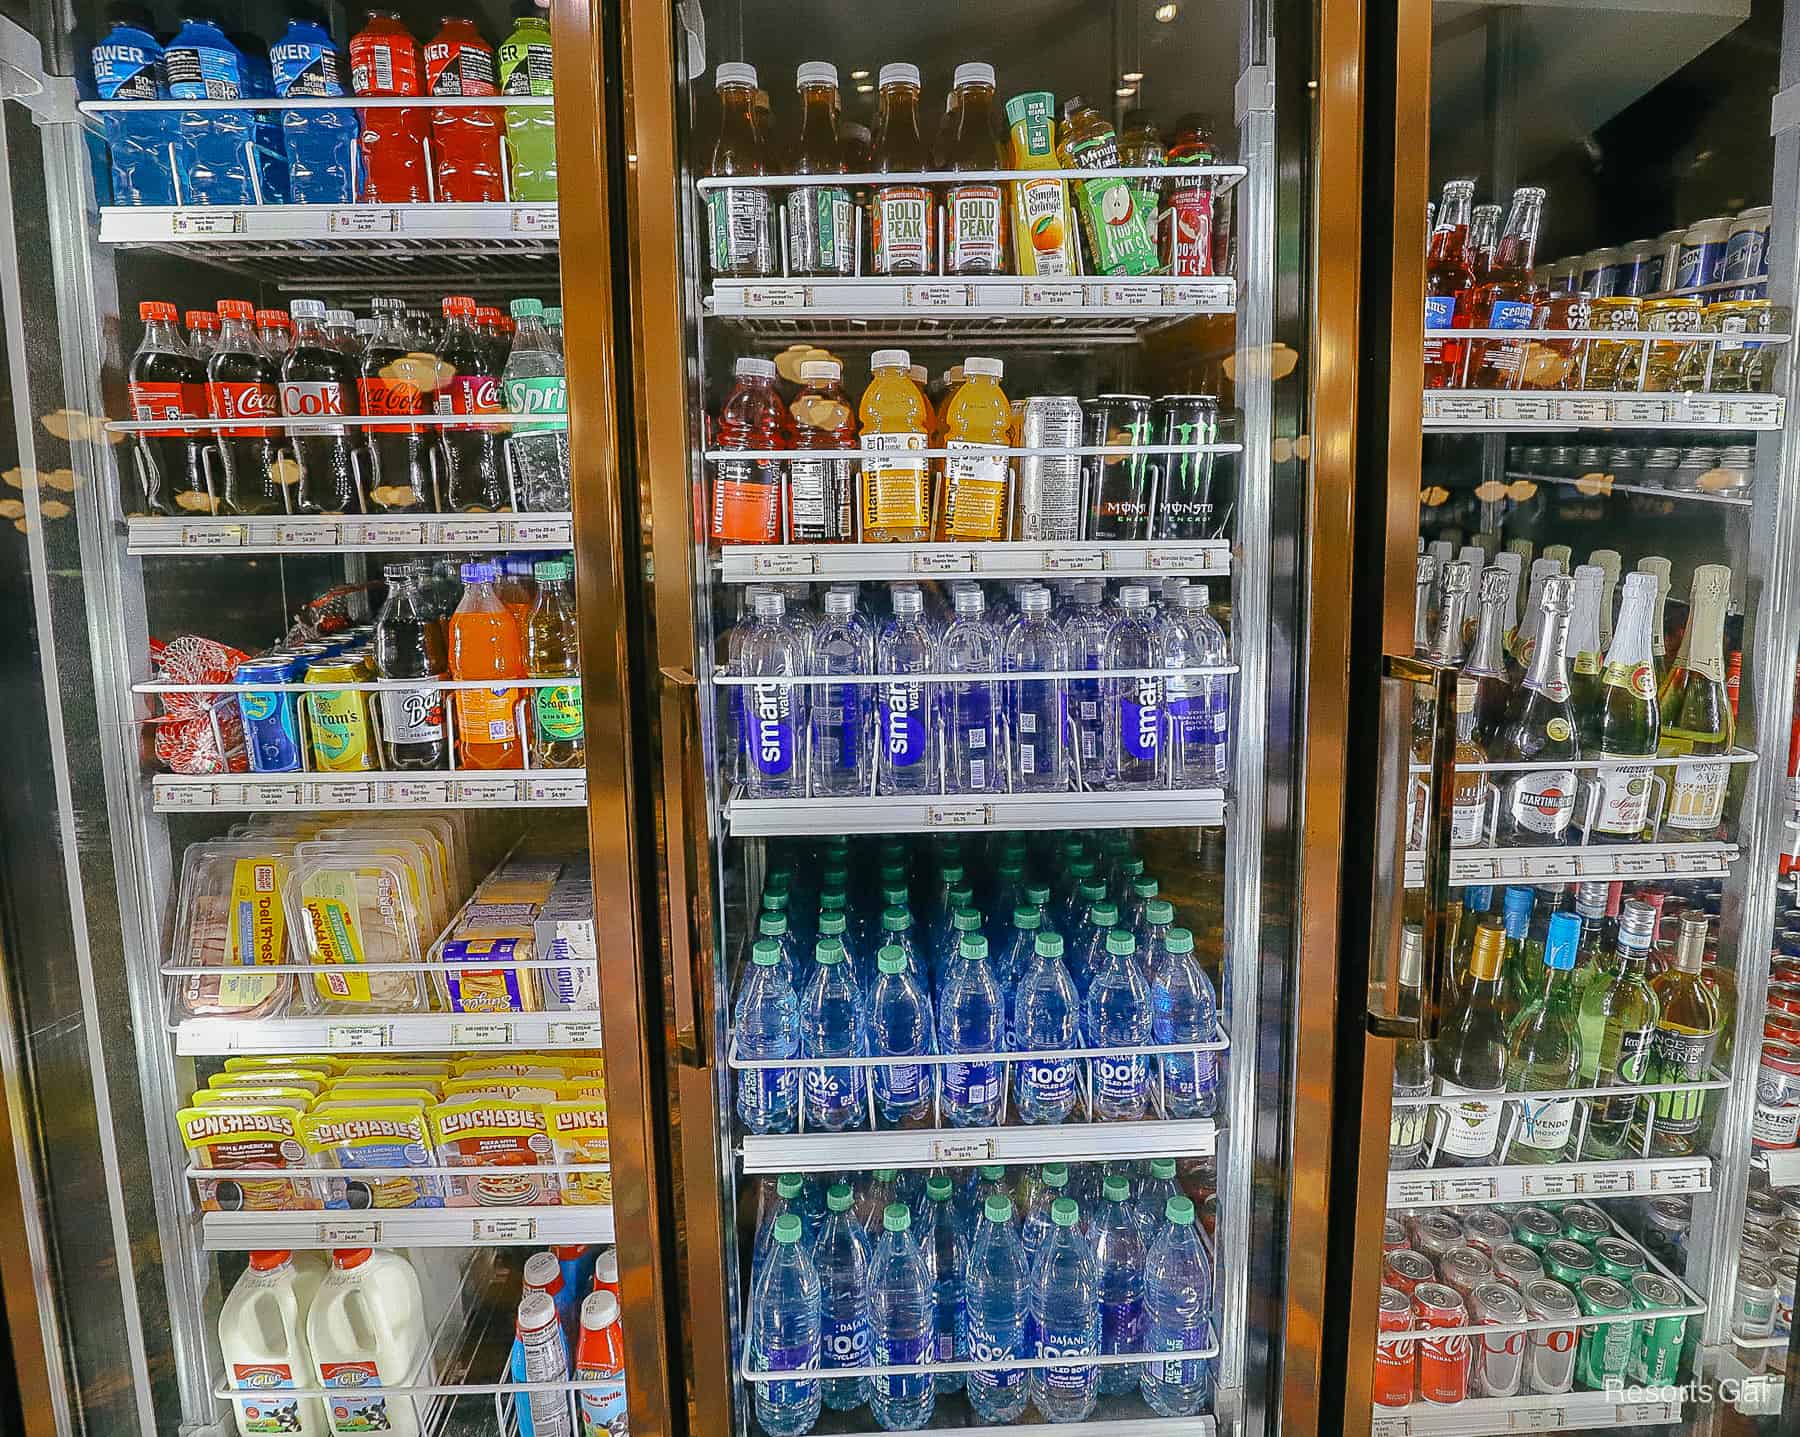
(325, 923)
(867, 583)
(1570, 1096)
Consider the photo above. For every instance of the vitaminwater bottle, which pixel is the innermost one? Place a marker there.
(747, 492)
(485, 644)
(525, 69)
(896, 421)
(974, 212)
(819, 489)
(821, 234)
(738, 230)
(976, 494)
(465, 142)
(128, 65)
(902, 217)
(551, 652)
(384, 63)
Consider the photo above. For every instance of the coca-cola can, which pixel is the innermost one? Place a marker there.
(1436, 1233)
(1443, 1361)
(1497, 1360)
(1406, 1269)
(1486, 1229)
(1775, 1121)
(1550, 1352)
(1784, 997)
(1465, 1269)
(1396, 1363)
(1393, 1235)
(1515, 1264)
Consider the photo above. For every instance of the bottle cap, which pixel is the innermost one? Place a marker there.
(1590, 899)
(1559, 948)
(1178, 940)
(821, 369)
(833, 901)
(345, 1258)
(1054, 1175)
(537, 1309)
(599, 1311)
(973, 72)
(937, 1189)
(766, 953)
(1162, 1169)
(898, 72)
(1145, 887)
(1035, 600)
(397, 573)
(1091, 891)
(787, 1229)
(968, 599)
(1049, 945)
(838, 1198)
(815, 72)
(788, 1186)
(897, 1217)
(964, 919)
(890, 960)
(235, 309)
(772, 924)
(890, 359)
(1192, 598)
(478, 573)
(993, 1173)
(974, 946)
(1134, 596)
(1116, 1189)
(992, 368)
(1159, 911)
(1180, 1211)
(886, 1175)
(198, 318)
(734, 72)
(307, 308)
(832, 923)
(1037, 894)
(550, 571)
(908, 601)
(998, 1208)
(1517, 906)
(271, 319)
(528, 309)
(1119, 941)
(268, 1261)
(775, 902)
(1103, 915)
(755, 369)
(1027, 916)
(828, 950)
(896, 918)
(1065, 1212)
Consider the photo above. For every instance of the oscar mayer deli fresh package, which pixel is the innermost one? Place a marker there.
(356, 912)
(246, 1148)
(230, 917)
(578, 1135)
(369, 1136)
(501, 1135)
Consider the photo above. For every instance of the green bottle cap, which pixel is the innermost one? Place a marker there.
(1119, 941)
(828, 951)
(965, 920)
(992, 1174)
(1054, 1175)
(1049, 944)
(1162, 1168)
(974, 946)
(1037, 894)
(833, 923)
(998, 1208)
(1092, 891)
(838, 1198)
(1159, 911)
(1180, 1211)
(766, 953)
(787, 1226)
(937, 1189)
(1027, 916)
(1145, 887)
(1116, 1189)
(897, 1217)
(1178, 940)
(1103, 915)
(774, 924)
(1064, 1212)
(788, 1185)
(896, 918)
(890, 960)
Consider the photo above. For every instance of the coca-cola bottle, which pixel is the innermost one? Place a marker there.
(167, 383)
(241, 383)
(318, 381)
(273, 330)
(474, 474)
(393, 379)
(1505, 299)
(202, 333)
(1447, 276)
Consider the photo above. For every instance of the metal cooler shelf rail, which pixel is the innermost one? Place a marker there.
(254, 793)
(1141, 808)
(978, 1147)
(147, 534)
(407, 1227)
(848, 563)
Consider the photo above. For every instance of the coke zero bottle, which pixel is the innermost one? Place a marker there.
(241, 383)
(410, 644)
(167, 383)
(318, 381)
(474, 477)
(394, 380)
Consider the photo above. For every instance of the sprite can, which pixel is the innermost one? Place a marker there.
(1536, 1228)
(1584, 1223)
(1619, 1259)
(1604, 1354)
(1569, 1262)
(1656, 1354)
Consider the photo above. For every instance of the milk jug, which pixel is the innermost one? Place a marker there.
(367, 1332)
(262, 1335)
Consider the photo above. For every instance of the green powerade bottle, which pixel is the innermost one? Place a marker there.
(530, 129)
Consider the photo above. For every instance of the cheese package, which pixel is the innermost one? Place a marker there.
(248, 1147)
(305, 1078)
(565, 931)
(230, 917)
(358, 912)
(578, 1135)
(478, 1133)
(373, 1135)
(519, 880)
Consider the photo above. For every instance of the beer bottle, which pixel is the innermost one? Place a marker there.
(1657, 568)
(1687, 1033)
(821, 236)
(1608, 562)
(1412, 1060)
(1544, 1052)
(1484, 241)
(903, 238)
(1504, 299)
(1540, 728)
(1469, 790)
(1697, 722)
(1447, 275)
(1586, 653)
(1628, 724)
(1619, 1016)
(1470, 1059)
(1486, 665)
(737, 220)
(1447, 647)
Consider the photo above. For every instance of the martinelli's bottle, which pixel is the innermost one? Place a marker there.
(1628, 724)
(1697, 724)
(1537, 804)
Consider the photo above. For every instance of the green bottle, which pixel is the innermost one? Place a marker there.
(1624, 1011)
(1543, 1053)
(525, 69)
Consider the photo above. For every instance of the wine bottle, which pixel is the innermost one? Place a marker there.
(1621, 1015)
(1687, 1033)
(1543, 1052)
(1412, 1060)
(1470, 1061)
(1696, 718)
(1538, 804)
(1468, 809)
(1517, 904)
(1607, 561)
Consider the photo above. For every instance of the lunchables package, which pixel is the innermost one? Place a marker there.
(252, 1062)
(358, 910)
(248, 1146)
(230, 917)
(366, 1135)
(578, 1135)
(247, 1095)
(487, 1134)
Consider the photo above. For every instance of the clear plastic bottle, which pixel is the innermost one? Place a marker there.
(841, 1256)
(946, 1259)
(906, 729)
(1065, 1311)
(534, 384)
(775, 1197)
(1119, 1255)
(900, 1023)
(901, 1314)
(831, 1026)
(1036, 708)
(874, 1193)
(971, 707)
(128, 66)
(1117, 1015)
(970, 1021)
(1199, 705)
(774, 713)
(976, 494)
(1035, 1228)
(320, 143)
(765, 1022)
(526, 69)
(1178, 1305)
(821, 490)
(1153, 1199)
(893, 495)
(995, 1300)
(838, 756)
(1134, 706)
(1046, 1018)
(1085, 630)
(409, 644)
(785, 1335)
(485, 643)
(551, 651)
(1185, 1010)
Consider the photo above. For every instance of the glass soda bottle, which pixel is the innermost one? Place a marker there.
(902, 217)
(167, 383)
(821, 234)
(409, 644)
(1505, 298)
(975, 498)
(525, 69)
(737, 220)
(485, 644)
(896, 421)
(474, 474)
(819, 489)
(318, 381)
(975, 211)
(1447, 275)
(551, 652)
(393, 380)
(384, 63)
(465, 142)
(241, 383)
(748, 492)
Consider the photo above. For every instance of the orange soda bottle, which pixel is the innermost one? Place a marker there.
(975, 497)
(896, 422)
(485, 644)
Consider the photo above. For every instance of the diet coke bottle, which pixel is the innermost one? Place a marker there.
(318, 381)
(395, 379)
(475, 481)
(241, 383)
(167, 383)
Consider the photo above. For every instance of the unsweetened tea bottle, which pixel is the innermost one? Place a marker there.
(737, 219)
(821, 231)
(974, 210)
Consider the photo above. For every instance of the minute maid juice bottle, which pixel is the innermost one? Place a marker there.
(525, 69)
(975, 497)
(1119, 238)
(894, 493)
(1042, 235)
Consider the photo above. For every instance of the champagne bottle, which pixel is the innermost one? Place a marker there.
(1525, 641)
(1687, 1033)
(1585, 653)
(1447, 642)
(1629, 724)
(1486, 663)
(1657, 568)
(1621, 1015)
(1543, 1052)
(1607, 561)
(1412, 1060)
(1696, 718)
(1424, 590)
(1538, 803)
(1515, 566)
(1470, 1061)
(1562, 554)
(1468, 808)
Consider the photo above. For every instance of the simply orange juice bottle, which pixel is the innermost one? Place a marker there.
(894, 493)
(978, 471)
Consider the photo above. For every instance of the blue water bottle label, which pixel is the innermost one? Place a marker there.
(903, 724)
(128, 70)
(1440, 311)
(1049, 1082)
(305, 68)
(768, 1090)
(1140, 720)
(845, 1339)
(1122, 1325)
(1119, 1080)
(834, 1096)
(772, 729)
(985, 1346)
(902, 1352)
(971, 1085)
(1073, 1380)
(898, 1084)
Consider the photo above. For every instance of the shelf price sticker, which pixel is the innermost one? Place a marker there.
(534, 219)
(775, 296)
(1132, 296)
(1389, 1427)
(1196, 560)
(212, 536)
(274, 795)
(1207, 295)
(1468, 870)
(399, 533)
(785, 565)
(1412, 1192)
(1606, 1180)
(487, 790)
(505, 1229)
(1054, 296)
(186, 795)
(412, 790)
(358, 1035)
(363, 220)
(1640, 411)
(577, 1033)
(206, 222)
(1548, 1184)
(958, 815)
(481, 1035)
(1581, 411)
(1761, 412)
(940, 561)
(1471, 1189)
(962, 1150)
(1073, 561)
(542, 531)
(1523, 410)
(1784, 1167)
(1643, 1414)
(562, 789)
(1678, 1180)
(306, 536)
(1462, 409)
(937, 296)
(347, 1234)
(342, 794)
(1712, 861)
(1629, 864)
(471, 532)
(1696, 410)
(1539, 1419)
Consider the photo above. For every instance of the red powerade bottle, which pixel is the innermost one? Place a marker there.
(465, 140)
(749, 494)
(384, 62)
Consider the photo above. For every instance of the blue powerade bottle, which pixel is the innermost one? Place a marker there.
(128, 65)
(223, 155)
(320, 143)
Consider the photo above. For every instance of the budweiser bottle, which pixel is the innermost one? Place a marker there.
(241, 380)
(318, 380)
(1505, 299)
(1447, 276)
(167, 383)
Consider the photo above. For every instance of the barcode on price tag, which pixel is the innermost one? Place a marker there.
(358, 1035)
(348, 1234)
(962, 1150)
(505, 1229)
(362, 221)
